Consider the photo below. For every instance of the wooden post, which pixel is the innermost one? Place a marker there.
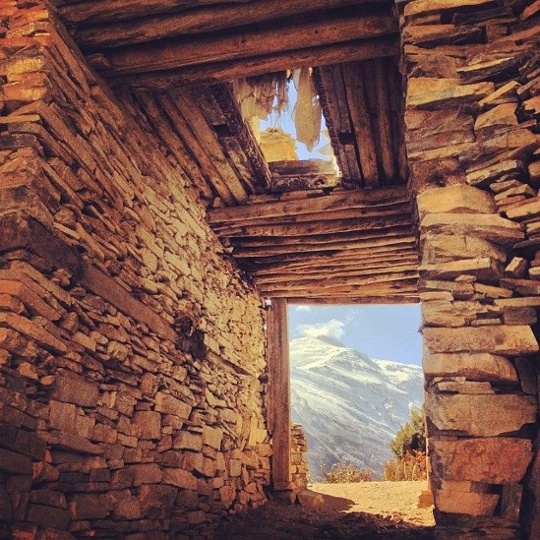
(279, 406)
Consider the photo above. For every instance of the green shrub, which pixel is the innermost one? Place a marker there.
(409, 449)
(345, 473)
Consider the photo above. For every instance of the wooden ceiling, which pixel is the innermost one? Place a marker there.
(298, 230)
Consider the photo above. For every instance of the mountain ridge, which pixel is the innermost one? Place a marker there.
(350, 405)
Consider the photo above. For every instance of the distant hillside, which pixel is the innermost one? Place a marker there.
(350, 405)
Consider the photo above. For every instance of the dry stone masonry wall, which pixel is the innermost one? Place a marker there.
(472, 118)
(131, 352)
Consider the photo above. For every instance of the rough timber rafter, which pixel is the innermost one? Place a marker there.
(182, 52)
(203, 19)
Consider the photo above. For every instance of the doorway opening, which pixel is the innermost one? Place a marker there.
(356, 377)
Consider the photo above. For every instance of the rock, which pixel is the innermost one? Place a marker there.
(490, 227)
(71, 388)
(149, 423)
(94, 506)
(514, 340)
(491, 460)
(459, 502)
(460, 199)
(212, 437)
(310, 500)
(169, 404)
(446, 247)
(481, 415)
(179, 478)
(480, 366)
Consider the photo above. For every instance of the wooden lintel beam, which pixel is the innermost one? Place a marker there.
(373, 200)
(216, 72)
(181, 52)
(267, 251)
(405, 298)
(317, 227)
(204, 19)
(100, 11)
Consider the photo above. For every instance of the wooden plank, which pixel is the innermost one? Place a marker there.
(161, 123)
(392, 299)
(408, 287)
(355, 235)
(279, 406)
(216, 72)
(99, 11)
(203, 19)
(384, 120)
(332, 96)
(242, 132)
(181, 52)
(279, 249)
(316, 227)
(361, 121)
(208, 139)
(350, 273)
(310, 204)
(192, 143)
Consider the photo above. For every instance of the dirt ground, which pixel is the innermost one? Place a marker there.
(363, 511)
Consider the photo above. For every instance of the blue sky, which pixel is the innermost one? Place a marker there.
(388, 332)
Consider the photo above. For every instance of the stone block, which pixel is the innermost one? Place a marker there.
(491, 227)
(179, 478)
(446, 247)
(149, 424)
(491, 460)
(127, 508)
(479, 366)
(472, 504)
(480, 415)
(62, 415)
(72, 388)
(212, 437)
(146, 473)
(185, 440)
(14, 462)
(459, 199)
(506, 340)
(48, 516)
(170, 405)
(24, 442)
(157, 501)
(89, 506)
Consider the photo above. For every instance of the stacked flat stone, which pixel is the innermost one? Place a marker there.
(472, 70)
(131, 351)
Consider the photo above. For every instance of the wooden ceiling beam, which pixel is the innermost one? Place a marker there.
(369, 201)
(103, 11)
(205, 19)
(324, 300)
(216, 72)
(181, 52)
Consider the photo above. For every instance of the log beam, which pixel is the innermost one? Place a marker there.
(204, 19)
(216, 72)
(182, 52)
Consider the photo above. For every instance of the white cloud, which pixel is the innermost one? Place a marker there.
(302, 308)
(333, 328)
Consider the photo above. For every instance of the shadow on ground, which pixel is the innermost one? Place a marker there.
(276, 521)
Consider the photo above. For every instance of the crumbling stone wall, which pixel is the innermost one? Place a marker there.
(299, 463)
(131, 352)
(472, 112)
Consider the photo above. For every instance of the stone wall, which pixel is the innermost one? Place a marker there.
(472, 112)
(299, 463)
(131, 351)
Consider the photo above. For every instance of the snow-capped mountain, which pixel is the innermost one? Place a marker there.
(349, 404)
